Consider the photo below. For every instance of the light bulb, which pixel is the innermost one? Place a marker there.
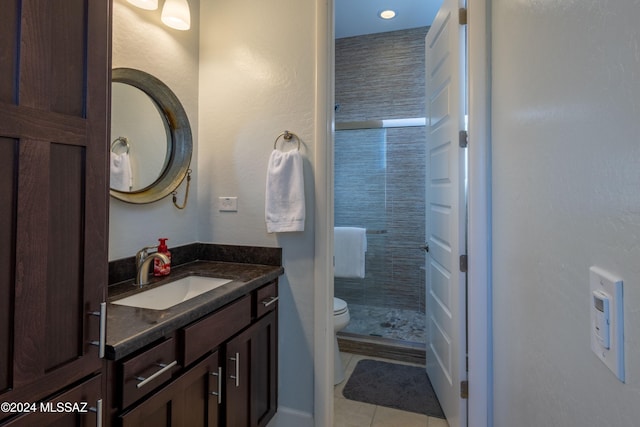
(175, 14)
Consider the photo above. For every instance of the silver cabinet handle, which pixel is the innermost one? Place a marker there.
(219, 392)
(269, 301)
(98, 410)
(165, 368)
(102, 314)
(237, 373)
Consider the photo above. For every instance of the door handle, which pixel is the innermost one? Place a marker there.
(163, 368)
(425, 247)
(98, 411)
(237, 372)
(102, 314)
(269, 301)
(219, 392)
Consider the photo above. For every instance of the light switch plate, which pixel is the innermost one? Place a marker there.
(228, 204)
(603, 283)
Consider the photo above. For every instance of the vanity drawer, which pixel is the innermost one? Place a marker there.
(266, 299)
(144, 372)
(207, 334)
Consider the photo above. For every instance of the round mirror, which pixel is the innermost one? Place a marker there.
(151, 138)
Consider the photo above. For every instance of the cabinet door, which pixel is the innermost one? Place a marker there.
(54, 86)
(238, 354)
(188, 401)
(77, 407)
(264, 370)
(201, 386)
(252, 374)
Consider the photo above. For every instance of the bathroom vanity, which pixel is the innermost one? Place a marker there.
(208, 361)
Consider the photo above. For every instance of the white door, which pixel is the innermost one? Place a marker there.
(445, 219)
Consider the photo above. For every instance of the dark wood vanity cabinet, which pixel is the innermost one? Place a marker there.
(224, 371)
(54, 107)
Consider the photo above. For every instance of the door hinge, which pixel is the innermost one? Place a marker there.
(464, 389)
(463, 263)
(463, 139)
(462, 16)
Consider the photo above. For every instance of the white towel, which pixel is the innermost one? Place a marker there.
(350, 246)
(284, 198)
(121, 178)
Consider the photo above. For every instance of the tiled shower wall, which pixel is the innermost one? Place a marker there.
(380, 173)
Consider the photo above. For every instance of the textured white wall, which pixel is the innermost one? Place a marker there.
(566, 195)
(257, 78)
(244, 75)
(141, 41)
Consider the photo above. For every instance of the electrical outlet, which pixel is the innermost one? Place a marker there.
(228, 204)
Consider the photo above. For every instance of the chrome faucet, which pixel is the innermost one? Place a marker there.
(142, 263)
(142, 254)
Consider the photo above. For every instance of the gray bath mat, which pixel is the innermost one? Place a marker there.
(395, 386)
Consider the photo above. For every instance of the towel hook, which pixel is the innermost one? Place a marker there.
(287, 137)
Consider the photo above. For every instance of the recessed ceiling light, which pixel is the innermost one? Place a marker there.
(387, 14)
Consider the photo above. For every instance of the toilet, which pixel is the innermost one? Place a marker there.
(340, 321)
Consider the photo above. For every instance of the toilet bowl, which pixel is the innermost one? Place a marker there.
(340, 321)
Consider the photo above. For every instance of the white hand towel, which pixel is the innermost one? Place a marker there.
(284, 198)
(350, 246)
(121, 177)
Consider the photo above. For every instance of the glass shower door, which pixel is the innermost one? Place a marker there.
(379, 185)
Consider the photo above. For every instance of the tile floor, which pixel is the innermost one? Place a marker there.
(349, 413)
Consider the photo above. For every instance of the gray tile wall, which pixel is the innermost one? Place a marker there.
(380, 174)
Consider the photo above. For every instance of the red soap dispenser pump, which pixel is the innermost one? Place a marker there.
(160, 268)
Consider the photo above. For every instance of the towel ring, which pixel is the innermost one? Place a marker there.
(287, 137)
(120, 140)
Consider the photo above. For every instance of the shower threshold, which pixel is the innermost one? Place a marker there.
(387, 348)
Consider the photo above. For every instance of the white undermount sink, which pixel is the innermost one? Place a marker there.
(173, 293)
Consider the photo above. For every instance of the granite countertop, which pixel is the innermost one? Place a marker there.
(131, 328)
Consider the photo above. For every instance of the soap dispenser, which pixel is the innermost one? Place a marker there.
(160, 268)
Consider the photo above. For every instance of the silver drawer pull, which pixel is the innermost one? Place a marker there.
(102, 314)
(269, 301)
(98, 410)
(165, 368)
(219, 392)
(237, 375)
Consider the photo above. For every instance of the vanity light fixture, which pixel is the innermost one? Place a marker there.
(176, 14)
(387, 14)
(145, 4)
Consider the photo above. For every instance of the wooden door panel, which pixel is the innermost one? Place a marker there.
(201, 407)
(65, 305)
(31, 261)
(264, 370)
(238, 356)
(54, 100)
(68, 64)
(163, 408)
(445, 219)
(8, 50)
(8, 184)
(53, 56)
